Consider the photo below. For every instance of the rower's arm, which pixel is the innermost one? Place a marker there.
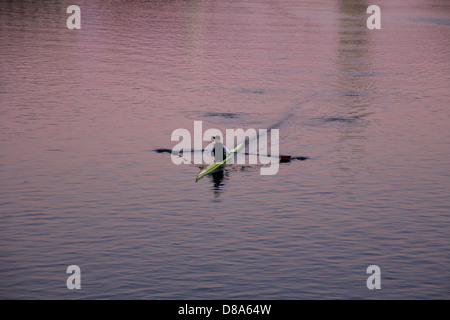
(209, 148)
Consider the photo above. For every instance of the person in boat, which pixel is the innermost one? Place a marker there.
(218, 150)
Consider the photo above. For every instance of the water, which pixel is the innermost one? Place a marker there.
(81, 112)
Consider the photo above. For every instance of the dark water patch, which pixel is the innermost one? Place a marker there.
(336, 119)
(435, 21)
(227, 115)
(250, 118)
(353, 120)
(352, 94)
(254, 91)
(361, 74)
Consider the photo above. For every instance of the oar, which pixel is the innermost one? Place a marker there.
(283, 158)
(162, 150)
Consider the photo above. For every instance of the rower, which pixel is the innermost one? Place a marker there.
(218, 150)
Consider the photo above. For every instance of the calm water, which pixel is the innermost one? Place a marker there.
(81, 112)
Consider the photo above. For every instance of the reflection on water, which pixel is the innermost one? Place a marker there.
(218, 180)
(81, 112)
